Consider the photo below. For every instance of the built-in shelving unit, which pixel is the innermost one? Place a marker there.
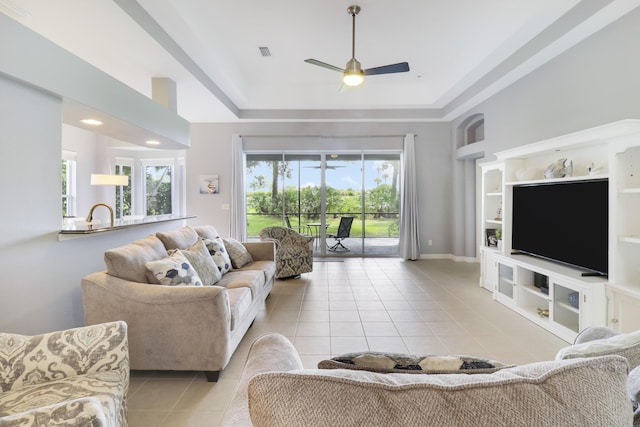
(624, 289)
(571, 301)
(491, 216)
(554, 296)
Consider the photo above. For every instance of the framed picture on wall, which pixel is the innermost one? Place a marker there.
(492, 239)
(209, 184)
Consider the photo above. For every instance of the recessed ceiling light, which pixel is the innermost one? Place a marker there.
(92, 122)
(153, 142)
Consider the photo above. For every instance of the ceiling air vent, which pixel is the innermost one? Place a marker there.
(264, 51)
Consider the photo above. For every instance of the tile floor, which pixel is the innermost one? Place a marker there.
(379, 304)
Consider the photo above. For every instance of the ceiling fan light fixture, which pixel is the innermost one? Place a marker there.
(353, 74)
(353, 79)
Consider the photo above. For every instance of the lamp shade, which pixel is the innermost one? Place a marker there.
(99, 179)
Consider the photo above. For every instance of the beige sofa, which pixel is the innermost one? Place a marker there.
(585, 386)
(181, 328)
(76, 377)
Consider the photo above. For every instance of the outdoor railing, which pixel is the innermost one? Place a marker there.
(376, 224)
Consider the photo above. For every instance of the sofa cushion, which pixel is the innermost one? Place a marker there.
(586, 392)
(237, 253)
(239, 304)
(178, 239)
(252, 279)
(411, 364)
(199, 258)
(625, 345)
(267, 267)
(174, 270)
(219, 254)
(128, 262)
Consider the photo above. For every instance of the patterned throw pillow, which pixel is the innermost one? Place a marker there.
(412, 364)
(199, 258)
(174, 270)
(219, 254)
(237, 252)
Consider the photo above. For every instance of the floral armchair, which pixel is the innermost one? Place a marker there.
(68, 378)
(294, 251)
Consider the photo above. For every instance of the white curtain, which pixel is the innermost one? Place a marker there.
(238, 229)
(409, 231)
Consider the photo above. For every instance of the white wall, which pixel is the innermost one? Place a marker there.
(40, 284)
(70, 77)
(595, 82)
(210, 154)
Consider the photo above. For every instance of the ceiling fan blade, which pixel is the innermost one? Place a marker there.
(400, 67)
(324, 65)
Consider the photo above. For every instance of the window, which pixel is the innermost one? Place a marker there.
(124, 194)
(308, 191)
(68, 183)
(159, 186)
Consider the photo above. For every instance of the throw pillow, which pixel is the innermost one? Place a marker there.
(219, 254)
(180, 238)
(412, 364)
(127, 262)
(199, 258)
(174, 270)
(237, 252)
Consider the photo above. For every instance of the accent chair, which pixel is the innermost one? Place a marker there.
(294, 251)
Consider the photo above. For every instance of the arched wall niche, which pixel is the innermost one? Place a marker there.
(470, 130)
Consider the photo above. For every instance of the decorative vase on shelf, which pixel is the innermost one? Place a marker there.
(559, 169)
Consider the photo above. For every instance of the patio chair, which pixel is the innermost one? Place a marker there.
(286, 218)
(344, 230)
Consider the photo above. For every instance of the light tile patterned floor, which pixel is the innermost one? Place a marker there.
(379, 304)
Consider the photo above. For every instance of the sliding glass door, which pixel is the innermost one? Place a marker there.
(348, 201)
(381, 206)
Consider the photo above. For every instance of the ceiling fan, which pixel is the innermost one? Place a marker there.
(353, 72)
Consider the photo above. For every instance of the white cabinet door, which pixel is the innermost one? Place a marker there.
(567, 305)
(489, 271)
(625, 312)
(505, 289)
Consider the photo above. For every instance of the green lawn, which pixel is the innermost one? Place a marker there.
(384, 227)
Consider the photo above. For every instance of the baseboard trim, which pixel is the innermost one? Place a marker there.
(449, 256)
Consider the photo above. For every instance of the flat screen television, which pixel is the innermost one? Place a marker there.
(567, 222)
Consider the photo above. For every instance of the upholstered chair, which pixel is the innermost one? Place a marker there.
(294, 251)
(76, 377)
